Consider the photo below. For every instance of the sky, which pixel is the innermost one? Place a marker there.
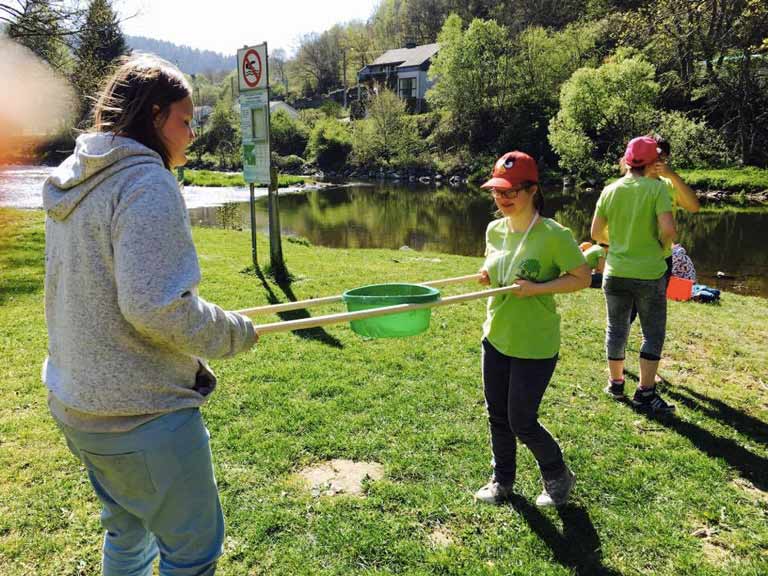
(226, 25)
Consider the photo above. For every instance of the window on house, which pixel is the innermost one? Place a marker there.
(407, 87)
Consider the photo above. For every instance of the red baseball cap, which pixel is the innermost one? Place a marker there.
(512, 169)
(641, 152)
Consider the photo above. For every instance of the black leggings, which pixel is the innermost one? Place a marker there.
(514, 388)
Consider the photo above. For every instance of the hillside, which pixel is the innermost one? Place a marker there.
(190, 60)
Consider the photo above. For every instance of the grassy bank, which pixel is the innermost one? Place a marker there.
(685, 496)
(212, 178)
(746, 180)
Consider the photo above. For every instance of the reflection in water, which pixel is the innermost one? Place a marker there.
(442, 219)
(453, 220)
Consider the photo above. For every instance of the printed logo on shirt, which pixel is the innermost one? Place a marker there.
(529, 269)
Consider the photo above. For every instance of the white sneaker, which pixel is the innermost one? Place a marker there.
(557, 490)
(494, 493)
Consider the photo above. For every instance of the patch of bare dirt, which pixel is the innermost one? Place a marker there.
(754, 492)
(441, 537)
(340, 477)
(715, 549)
(716, 553)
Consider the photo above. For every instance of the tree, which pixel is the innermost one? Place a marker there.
(600, 110)
(277, 69)
(100, 42)
(41, 26)
(320, 58)
(473, 78)
(542, 61)
(384, 137)
(711, 58)
(223, 135)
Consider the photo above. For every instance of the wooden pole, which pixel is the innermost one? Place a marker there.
(273, 207)
(299, 304)
(305, 323)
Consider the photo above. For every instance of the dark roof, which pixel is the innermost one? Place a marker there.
(407, 56)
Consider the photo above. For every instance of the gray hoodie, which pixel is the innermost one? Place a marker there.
(126, 328)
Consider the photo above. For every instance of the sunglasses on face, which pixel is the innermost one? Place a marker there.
(508, 194)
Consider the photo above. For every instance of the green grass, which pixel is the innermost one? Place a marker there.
(746, 180)
(212, 178)
(415, 405)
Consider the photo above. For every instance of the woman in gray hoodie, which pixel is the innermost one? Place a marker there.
(128, 333)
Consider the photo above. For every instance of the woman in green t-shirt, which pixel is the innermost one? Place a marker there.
(636, 213)
(521, 335)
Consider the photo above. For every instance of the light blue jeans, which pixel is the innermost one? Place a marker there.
(158, 495)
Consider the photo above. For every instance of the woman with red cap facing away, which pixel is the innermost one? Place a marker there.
(636, 213)
(521, 335)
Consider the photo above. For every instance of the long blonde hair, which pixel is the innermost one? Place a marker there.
(125, 105)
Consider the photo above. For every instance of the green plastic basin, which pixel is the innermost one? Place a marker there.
(391, 325)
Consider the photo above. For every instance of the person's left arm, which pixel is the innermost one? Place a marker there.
(568, 257)
(573, 280)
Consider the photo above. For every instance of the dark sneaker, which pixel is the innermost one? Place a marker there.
(615, 388)
(649, 401)
(557, 490)
(494, 493)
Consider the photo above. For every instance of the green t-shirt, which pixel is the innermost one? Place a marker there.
(593, 255)
(527, 327)
(631, 206)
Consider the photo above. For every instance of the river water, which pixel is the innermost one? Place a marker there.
(733, 243)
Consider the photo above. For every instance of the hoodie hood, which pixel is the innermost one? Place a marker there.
(97, 156)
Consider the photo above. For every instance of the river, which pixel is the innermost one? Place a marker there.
(733, 243)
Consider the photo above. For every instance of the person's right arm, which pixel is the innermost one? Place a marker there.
(599, 228)
(157, 274)
(685, 196)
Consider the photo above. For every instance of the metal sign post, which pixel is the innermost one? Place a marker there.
(253, 75)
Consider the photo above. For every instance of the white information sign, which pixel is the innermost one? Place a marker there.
(252, 67)
(254, 126)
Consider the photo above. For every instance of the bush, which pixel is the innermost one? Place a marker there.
(290, 164)
(329, 144)
(386, 137)
(331, 109)
(694, 144)
(310, 117)
(600, 111)
(288, 136)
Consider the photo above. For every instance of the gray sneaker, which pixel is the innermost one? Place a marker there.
(649, 401)
(494, 493)
(615, 389)
(556, 491)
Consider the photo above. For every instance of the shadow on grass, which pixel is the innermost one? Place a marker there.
(716, 409)
(285, 285)
(9, 291)
(577, 547)
(750, 466)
